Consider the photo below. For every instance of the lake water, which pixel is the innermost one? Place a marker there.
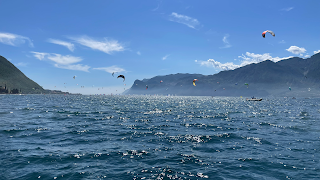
(158, 137)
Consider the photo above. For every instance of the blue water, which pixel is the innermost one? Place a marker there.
(158, 137)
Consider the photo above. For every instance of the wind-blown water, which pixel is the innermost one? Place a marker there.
(158, 137)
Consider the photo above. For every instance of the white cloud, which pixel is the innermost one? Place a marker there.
(186, 20)
(219, 65)
(61, 61)
(225, 41)
(106, 45)
(287, 9)
(111, 69)
(165, 57)
(296, 50)
(307, 56)
(282, 42)
(316, 52)
(39, 55)
(248, 58)
(139, 53)
(70, 46)
(77, 67)
(14, 39)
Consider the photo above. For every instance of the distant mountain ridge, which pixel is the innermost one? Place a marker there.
(265, 78)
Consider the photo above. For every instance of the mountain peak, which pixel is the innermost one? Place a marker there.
(13, 79)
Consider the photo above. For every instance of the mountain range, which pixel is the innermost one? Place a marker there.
(290, 77)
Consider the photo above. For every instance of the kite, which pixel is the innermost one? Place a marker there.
(264, 33)
(122, 76)
(194, 82)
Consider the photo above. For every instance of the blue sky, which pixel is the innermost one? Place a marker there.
(53, 41)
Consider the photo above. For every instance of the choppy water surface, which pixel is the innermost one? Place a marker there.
(154, 137)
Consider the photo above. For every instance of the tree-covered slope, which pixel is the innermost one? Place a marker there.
(13, 78)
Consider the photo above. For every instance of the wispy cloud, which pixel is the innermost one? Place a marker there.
(106, 45)
(21, 64)
(138, 52)
(316, 52)
(14, 39)
(77, 67)
(287, 9)
(61, 61)
(296, 50)
(282, 42)
(68, 45)
(155, 9)
(39, 55)
(217, 64)
(225, 41)
(64, 60)
(183, 19)
(250, 58)
(165, 57)
(111, 69)
(246, 59)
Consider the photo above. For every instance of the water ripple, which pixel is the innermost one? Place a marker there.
(158, 137)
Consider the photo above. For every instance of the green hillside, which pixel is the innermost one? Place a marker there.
(13, 78)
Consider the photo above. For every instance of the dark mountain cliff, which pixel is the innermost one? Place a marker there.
(13, 81)
(12, 78)
(264, 78)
